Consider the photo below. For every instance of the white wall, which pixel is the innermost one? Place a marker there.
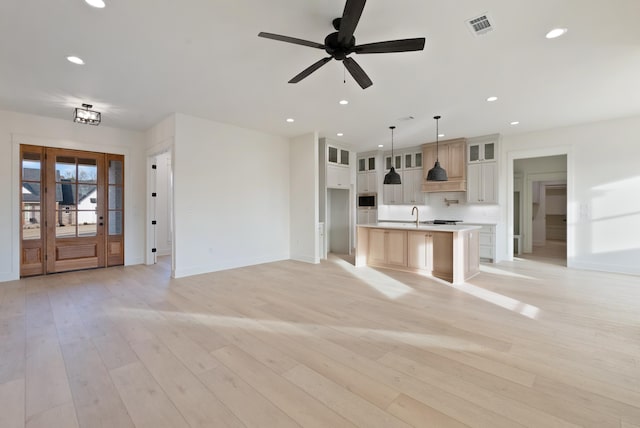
(603, 181)
(304, 211)
(18, 128)
(231, 196)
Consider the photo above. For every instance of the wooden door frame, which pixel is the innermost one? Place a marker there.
(18, 139)
(103, 240)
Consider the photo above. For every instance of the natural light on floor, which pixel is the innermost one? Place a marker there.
(496, 271)
(501, 300)
(422, 340)
(380, 282)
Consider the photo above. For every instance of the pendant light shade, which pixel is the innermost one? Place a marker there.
(392, 176)
(437, 173)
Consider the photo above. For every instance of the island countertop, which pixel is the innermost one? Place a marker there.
(421, 226)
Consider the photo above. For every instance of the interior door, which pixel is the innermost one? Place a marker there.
(75, 210)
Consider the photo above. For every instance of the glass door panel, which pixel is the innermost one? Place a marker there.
(115, 210)
(32, 239)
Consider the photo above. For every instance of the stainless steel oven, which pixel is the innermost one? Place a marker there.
(368, 200)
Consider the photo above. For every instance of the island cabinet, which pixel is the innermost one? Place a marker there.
(452, 157)
(448, 253)
(388, 247)
(420, 251)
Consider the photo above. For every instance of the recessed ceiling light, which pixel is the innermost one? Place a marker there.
(339, 134)
(440, 135)
(290, 120)
(492, 99)
(344, 102)
(95, 3)
(514, 123)
(75, 60)
(555, 33)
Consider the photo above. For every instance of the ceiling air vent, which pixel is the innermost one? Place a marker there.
(481, 24)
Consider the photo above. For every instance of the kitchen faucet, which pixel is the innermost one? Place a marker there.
(417, 215)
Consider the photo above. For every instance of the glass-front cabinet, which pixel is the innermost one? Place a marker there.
(481, 152)
(337, 156)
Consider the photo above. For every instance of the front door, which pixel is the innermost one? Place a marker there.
(75, 197)
(71, 205)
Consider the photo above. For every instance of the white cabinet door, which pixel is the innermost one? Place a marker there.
(392, 194)
(482, 183)
(337, 177)
(372, 182)
(412, 187)
(363, 183)
(363, 216)
(366, 216)
(367, 182)
(490, 183)
(474, 183)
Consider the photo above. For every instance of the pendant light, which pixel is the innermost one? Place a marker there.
(392, 176)
(437, 173)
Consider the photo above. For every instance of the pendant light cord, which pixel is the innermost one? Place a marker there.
(392, 128)
(437, 118)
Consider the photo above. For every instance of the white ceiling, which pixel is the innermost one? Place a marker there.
(146, 59)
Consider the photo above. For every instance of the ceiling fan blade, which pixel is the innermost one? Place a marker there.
(290, 40)
(404, 45)
(307, 71)
(350, 17)
(357, 72)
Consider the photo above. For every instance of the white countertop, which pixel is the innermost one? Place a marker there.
(422, 226)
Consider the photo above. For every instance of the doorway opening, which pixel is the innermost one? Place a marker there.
(540, 208)
(161, 236)
(338, 224)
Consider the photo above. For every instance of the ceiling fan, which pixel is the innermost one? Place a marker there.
(342, 43)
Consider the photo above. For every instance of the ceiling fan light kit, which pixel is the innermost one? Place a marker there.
(340, 44)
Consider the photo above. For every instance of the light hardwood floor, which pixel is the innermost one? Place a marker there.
(290, 344)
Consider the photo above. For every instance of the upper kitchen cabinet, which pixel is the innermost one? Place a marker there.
(483, 183)
(397, 162)
(337, 156)
(482, 151)
(412, 160)
(367, 179)
(482, 170)
(367, 163)
(408, 163)
(337, 171)
(452, 157)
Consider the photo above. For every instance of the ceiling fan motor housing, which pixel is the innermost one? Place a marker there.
(335, 49)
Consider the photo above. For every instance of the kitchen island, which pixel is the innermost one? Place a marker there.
(448, 252)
